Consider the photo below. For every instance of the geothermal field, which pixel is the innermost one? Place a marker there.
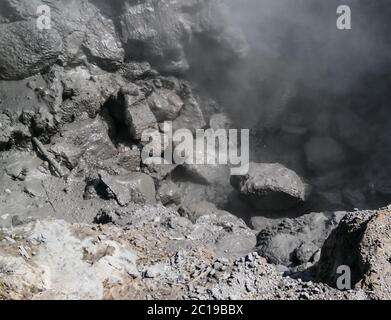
(195, 149)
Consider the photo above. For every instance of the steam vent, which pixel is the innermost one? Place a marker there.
(195, 149)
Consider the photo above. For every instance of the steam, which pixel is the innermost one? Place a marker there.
(297, 55)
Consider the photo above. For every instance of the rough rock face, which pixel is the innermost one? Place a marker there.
(296, 241)
(86, 89)
(86, 139)
(155, 28)
(84, 31)
(271, 187)
(25, 50)
(132, 110)
(46, 259)
(22, 95)
(132, 188)
(167, 33)
(165, 105)
(362, 242)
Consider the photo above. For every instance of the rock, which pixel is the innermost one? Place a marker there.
(101, 43)
(63, 255)
(87, 139)
(5, 131)
(362, 242)
(190, 117)
(21, 165)
(132, 188)
(155, 271)
(279, 248)
(129, 157)
(192, 193)
(293, 242)
(168, 193)
(324, 153)
(306, 253)
(203, 208)
(133, 71)
(271, 187)
(230, 235)
(204, 171)
(165, 104)
(86, 89)
(153, 31)
(134, 112)
(137, 215)
(158, 171)
(25, 50)
(17, 96)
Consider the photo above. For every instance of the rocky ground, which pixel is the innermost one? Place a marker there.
(81, 215)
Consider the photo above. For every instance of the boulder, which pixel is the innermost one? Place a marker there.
(85, 30)
(5, 131)
(63, 262)
(271, 187)
(129, 157)
(168, 193)
(361, 242)
(190, 117)
(132, 110)
(131, 188)
(25, 50)
(87, 139)
(86, 89)
(294, 242)
(165, 104)
(17, 96)
(153, 31)
(101, 43)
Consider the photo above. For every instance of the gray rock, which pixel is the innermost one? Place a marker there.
(158, 171)
(25, 50)
(190, 117)
(279, 248)
(85, 31)
(168, 193)
(132, 188)
(165, 104)
(157, 29)
(324, 153)
(271, 187)
(86, 139)
(362, 243)
(133, 71)
(86, 89)
(17, 96)
(305, 253)
(134, 112)
(5, 131)
(129, 157)
(293, 242)
(101, 43)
